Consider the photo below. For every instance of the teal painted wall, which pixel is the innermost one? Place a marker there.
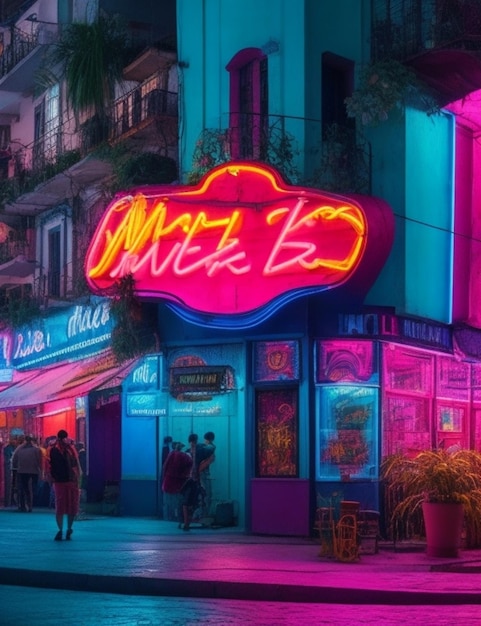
(413, 170)
(388, 182)
(411, 154)
(211, 33)
(429, 215)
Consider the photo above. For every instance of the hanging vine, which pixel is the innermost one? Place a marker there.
(130, 336)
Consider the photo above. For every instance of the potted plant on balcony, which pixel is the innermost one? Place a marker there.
(90, 57)
(446, 486)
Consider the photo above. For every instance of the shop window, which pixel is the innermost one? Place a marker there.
(476, 382)
(277, 427)
(453, 379)
(408, 370)
(347, 439)
(408, 376)
(346, 361)
(276, 361)
(248, 103)
(406, 424)
(451, 425)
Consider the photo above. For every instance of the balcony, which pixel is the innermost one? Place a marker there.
(439, 39)
(331, 157)
(17, 256)
(62, 161)
(52, 169)
(20, 59)
(145, 113)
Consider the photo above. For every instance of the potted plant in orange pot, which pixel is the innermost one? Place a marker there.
(446, 486)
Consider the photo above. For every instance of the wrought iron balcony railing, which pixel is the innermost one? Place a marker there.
(402, 29)
(330, 157)
(22, 44)
(19, 243)
(139, 108)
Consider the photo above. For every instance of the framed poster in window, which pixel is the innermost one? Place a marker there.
(277, 427)
(276, 361)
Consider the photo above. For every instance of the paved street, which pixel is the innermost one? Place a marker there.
(143, 572)
(23, 606)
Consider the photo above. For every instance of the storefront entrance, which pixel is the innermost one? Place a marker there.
(217, 415)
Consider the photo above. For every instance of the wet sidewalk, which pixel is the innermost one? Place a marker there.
(151, 557)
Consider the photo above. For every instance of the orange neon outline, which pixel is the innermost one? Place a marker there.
(233, 170)
(135, 230)
(133, 246)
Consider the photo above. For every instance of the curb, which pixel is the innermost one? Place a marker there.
(141, 586)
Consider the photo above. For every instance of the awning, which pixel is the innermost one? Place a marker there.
(69, 380)
(18, 271)
(94, 373)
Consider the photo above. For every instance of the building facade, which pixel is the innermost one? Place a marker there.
(313, 268)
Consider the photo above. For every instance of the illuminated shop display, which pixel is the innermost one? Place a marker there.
(203, 248)
(427, 402)
(347, 427)
(453, 378)
(276, 361)
(277, 423)
(476, 404)
(408, 399)
(347, 361)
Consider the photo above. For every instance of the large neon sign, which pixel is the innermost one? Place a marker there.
(238, 242)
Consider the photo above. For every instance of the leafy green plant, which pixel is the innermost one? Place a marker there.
(435, 476)
(91, 57)
(131, 336)
(344, 161)
(384, 86)
(27, 180)
(146, 168)
(276, 147)
(211, 149)
(20, 309)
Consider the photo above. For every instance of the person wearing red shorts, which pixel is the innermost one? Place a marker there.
(65, 474)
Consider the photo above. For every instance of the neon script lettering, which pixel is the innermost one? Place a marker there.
(30, 343)
(85, 319)
(229, 245)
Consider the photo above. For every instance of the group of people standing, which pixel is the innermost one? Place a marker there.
(60, 466)
(186, 482)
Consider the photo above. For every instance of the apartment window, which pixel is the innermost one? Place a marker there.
(5, 154)
(54, 263)
(46, 128)
(248, 103)
(337, 85)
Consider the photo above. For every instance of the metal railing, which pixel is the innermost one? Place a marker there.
(332, 157)
(22, 44)
(18, 243)
(138, 107)
(401, 29)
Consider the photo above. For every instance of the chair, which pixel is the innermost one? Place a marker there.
(324, 524)
(369, 533)
(345, 532)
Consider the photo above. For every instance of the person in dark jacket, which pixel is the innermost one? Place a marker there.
(65, 473)
(28, 461)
